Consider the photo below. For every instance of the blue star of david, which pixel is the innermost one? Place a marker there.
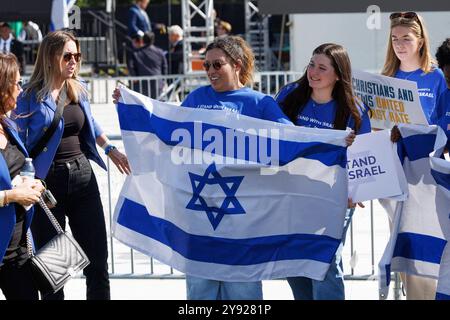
(229, 186)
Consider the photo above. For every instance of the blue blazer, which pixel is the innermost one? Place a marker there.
(37, 117)
(137, 21)
(8, 213)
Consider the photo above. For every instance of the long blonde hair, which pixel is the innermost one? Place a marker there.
(392, 63)
(47, 68)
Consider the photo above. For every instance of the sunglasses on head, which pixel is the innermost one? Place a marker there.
(68, 56)
(216, 65)
(406, 15)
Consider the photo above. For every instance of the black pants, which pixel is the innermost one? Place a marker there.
(17, 283)
(75, 188)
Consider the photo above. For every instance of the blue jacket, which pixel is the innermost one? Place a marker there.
(8, 213)
(137, 21)
(37, 117)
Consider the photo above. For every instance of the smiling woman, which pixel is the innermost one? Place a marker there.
(229, 65)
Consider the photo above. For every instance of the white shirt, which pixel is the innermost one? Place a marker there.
(5, 45)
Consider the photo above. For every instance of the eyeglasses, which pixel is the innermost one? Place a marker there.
(68, 56)
(216, 65)
(406, 15)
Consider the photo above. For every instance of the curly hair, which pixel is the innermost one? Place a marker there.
(236, 49)
(443, 54)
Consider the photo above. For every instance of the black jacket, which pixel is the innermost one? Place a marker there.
(147, 61)
(175, 56)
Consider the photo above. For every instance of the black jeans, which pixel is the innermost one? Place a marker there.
(17, 282)
(75, 188)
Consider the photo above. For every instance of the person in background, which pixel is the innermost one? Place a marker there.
(175, 54)
(64, 161)
(223, 28)
(441, 114)
(16, 279)
(138, 21)
(323, 98)
(9, 44)
(147, 60)
(30, 31)
(409, 57)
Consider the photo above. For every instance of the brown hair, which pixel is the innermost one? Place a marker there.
(236, 49)
(296, 100)
(47, 68)
(417, 26)
(8, 72)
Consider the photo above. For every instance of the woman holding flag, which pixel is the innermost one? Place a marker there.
(409, 57)
(323, 98)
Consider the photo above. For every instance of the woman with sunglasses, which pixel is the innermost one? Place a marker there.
(409, 57)
(323, 98)
(16, 280)
(64, 161)
(229, 64)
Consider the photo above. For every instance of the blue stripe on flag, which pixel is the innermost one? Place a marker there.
(419, 247)
(441, 296)
(442, 179)
(140, 119)
(249, 251)
(418, 146)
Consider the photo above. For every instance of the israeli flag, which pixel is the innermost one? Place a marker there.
(60, 14)
(421, 225)
(224, 196)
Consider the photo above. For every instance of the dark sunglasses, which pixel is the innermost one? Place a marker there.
(407, 15)
(216, 65)
(68, 56)
(19, 83)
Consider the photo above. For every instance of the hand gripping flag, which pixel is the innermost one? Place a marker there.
(224, 196)
(421, 223)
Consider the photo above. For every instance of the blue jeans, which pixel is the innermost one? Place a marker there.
(332, 286)
(75, 188)
(205, 289)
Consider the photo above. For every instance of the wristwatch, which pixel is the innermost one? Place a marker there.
(109, 148)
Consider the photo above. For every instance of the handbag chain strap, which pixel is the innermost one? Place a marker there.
(52, 219)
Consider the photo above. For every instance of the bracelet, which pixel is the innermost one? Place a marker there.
(6, 201)
(2, 198)
(109, 148)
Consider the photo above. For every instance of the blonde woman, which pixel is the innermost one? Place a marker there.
(64, 161)
(409, 57)
(16, 280)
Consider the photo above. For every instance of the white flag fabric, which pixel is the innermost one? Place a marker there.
(421, 223)
(202, 198)
(60, 14)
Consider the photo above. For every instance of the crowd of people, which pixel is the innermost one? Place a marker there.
(322, 98)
